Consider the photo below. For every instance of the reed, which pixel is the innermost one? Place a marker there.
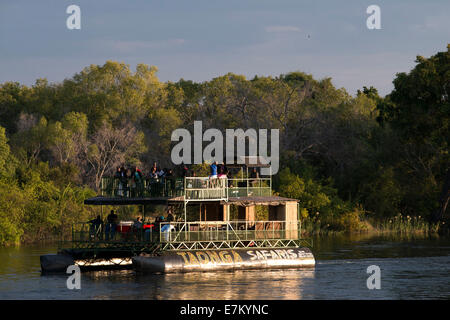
(398, 224)
(407, 224)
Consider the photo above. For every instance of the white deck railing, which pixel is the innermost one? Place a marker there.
(229, 230)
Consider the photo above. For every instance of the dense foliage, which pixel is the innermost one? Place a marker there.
(345, 158)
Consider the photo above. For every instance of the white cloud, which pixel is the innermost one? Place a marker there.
(282, 29)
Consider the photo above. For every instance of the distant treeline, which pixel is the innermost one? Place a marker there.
(348, 159)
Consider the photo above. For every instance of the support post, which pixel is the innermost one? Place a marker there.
(185, 219)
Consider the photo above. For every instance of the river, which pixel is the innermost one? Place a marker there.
(410, 268)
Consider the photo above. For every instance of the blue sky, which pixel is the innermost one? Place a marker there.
(202, 39)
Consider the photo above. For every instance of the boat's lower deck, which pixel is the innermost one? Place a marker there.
(157, 260)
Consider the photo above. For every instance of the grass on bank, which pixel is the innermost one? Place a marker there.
(353, 223)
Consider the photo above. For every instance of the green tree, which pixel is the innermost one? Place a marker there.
(12, 211)
(68, 137)
(31, 139)
(14, 98)
(160, 125)
(421, 117)
(4, 150)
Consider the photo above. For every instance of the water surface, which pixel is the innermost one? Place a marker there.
(411, 268)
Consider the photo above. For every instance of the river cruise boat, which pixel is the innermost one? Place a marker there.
(219, 227)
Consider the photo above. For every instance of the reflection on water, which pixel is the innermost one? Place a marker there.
(273, 284)
(411, 268)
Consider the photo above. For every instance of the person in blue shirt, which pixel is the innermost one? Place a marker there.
(213, 170)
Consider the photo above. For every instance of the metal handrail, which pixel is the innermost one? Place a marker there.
(205, 188)
(146, 187)
(188, 234)
(225, 230)
(193, 188)
(104, 232)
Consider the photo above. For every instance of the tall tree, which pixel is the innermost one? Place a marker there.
(421, 116)
(110, 147)
(68, 137)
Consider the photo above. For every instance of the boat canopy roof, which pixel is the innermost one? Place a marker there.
(100, 200)
(240, 201)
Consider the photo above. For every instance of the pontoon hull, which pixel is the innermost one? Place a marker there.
(225, 259)
(56, 263)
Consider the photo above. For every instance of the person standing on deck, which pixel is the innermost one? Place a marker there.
(138, 183)
(254, 175)
(184, 171)
(154, 171)
(137, 228)
(138, 223)
(119, 176)
(95, 228)
(170, 217)
(213, 176)
(213, 170)
(124, 180)
(222, 174)
(111, 225)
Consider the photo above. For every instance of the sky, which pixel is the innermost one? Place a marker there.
(202, 39)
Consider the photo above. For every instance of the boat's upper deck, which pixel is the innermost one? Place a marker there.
(115, 191)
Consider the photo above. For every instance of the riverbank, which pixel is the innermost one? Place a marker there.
(399, 224)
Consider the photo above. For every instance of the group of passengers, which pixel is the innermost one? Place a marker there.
(155, 172)
(161, 223)
(218, 170)
(134, 176)
(221, 171)
(123, 174)
(133, 179)
(110, 226)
